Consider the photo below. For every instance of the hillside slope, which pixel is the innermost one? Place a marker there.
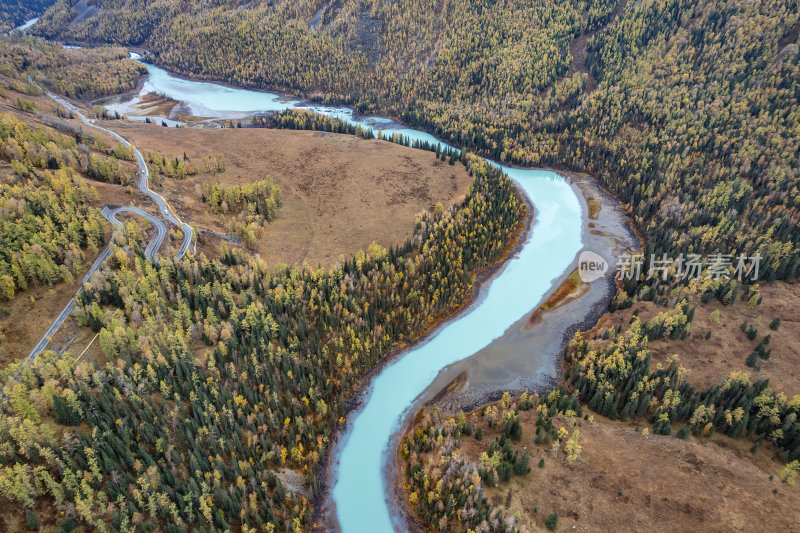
(687, 110)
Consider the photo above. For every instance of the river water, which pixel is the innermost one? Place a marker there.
(27, 24)
(360, 492)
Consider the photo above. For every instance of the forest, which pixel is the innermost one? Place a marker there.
(706, 157)
(261, 197)
(256, 366)
(175, 168)
(244, 209)
(46, 221)
(14, 13)
(447, 490)
(80, 74)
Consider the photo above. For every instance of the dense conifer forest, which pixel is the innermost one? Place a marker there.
(80, 74)
(222, 373)
(14, 13)
(632, 92)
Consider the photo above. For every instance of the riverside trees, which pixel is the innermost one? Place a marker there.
(706, 157)
(446, 489)
(608, 372)
(174, 432)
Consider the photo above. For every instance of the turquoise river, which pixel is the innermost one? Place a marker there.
(359, 488)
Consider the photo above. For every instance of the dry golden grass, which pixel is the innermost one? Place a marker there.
(709, 360)
(626, 481)
(570, 286)
(340, 193)
(594, 207)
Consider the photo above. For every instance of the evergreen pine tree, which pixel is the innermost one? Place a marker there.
(32, 520)
(65, 415)
(521, 467)
(551, 522)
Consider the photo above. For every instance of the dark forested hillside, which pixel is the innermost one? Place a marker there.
(81, 74)
(14, 13)
(685, 109)
(221, 376)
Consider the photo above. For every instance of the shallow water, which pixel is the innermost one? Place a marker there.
(27, 24)
(360, 489)
(203, 99)
(360, 492)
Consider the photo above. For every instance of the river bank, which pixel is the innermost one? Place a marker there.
(528, 356)
(324, 518)
(549, 257)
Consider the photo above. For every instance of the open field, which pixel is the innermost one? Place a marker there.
(627, 481)
(709, 360)
(24, 319)
(340, 193)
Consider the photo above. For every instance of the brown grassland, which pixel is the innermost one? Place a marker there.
(628, 481)
(339, 192)
(709, 360)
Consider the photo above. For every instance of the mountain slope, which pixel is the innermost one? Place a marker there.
(692, 120)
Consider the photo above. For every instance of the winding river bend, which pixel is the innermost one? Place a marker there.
(552, 244)
(360, 492)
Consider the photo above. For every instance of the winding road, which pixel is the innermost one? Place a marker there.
(161, 230)
(110, 213)
(163, 207)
